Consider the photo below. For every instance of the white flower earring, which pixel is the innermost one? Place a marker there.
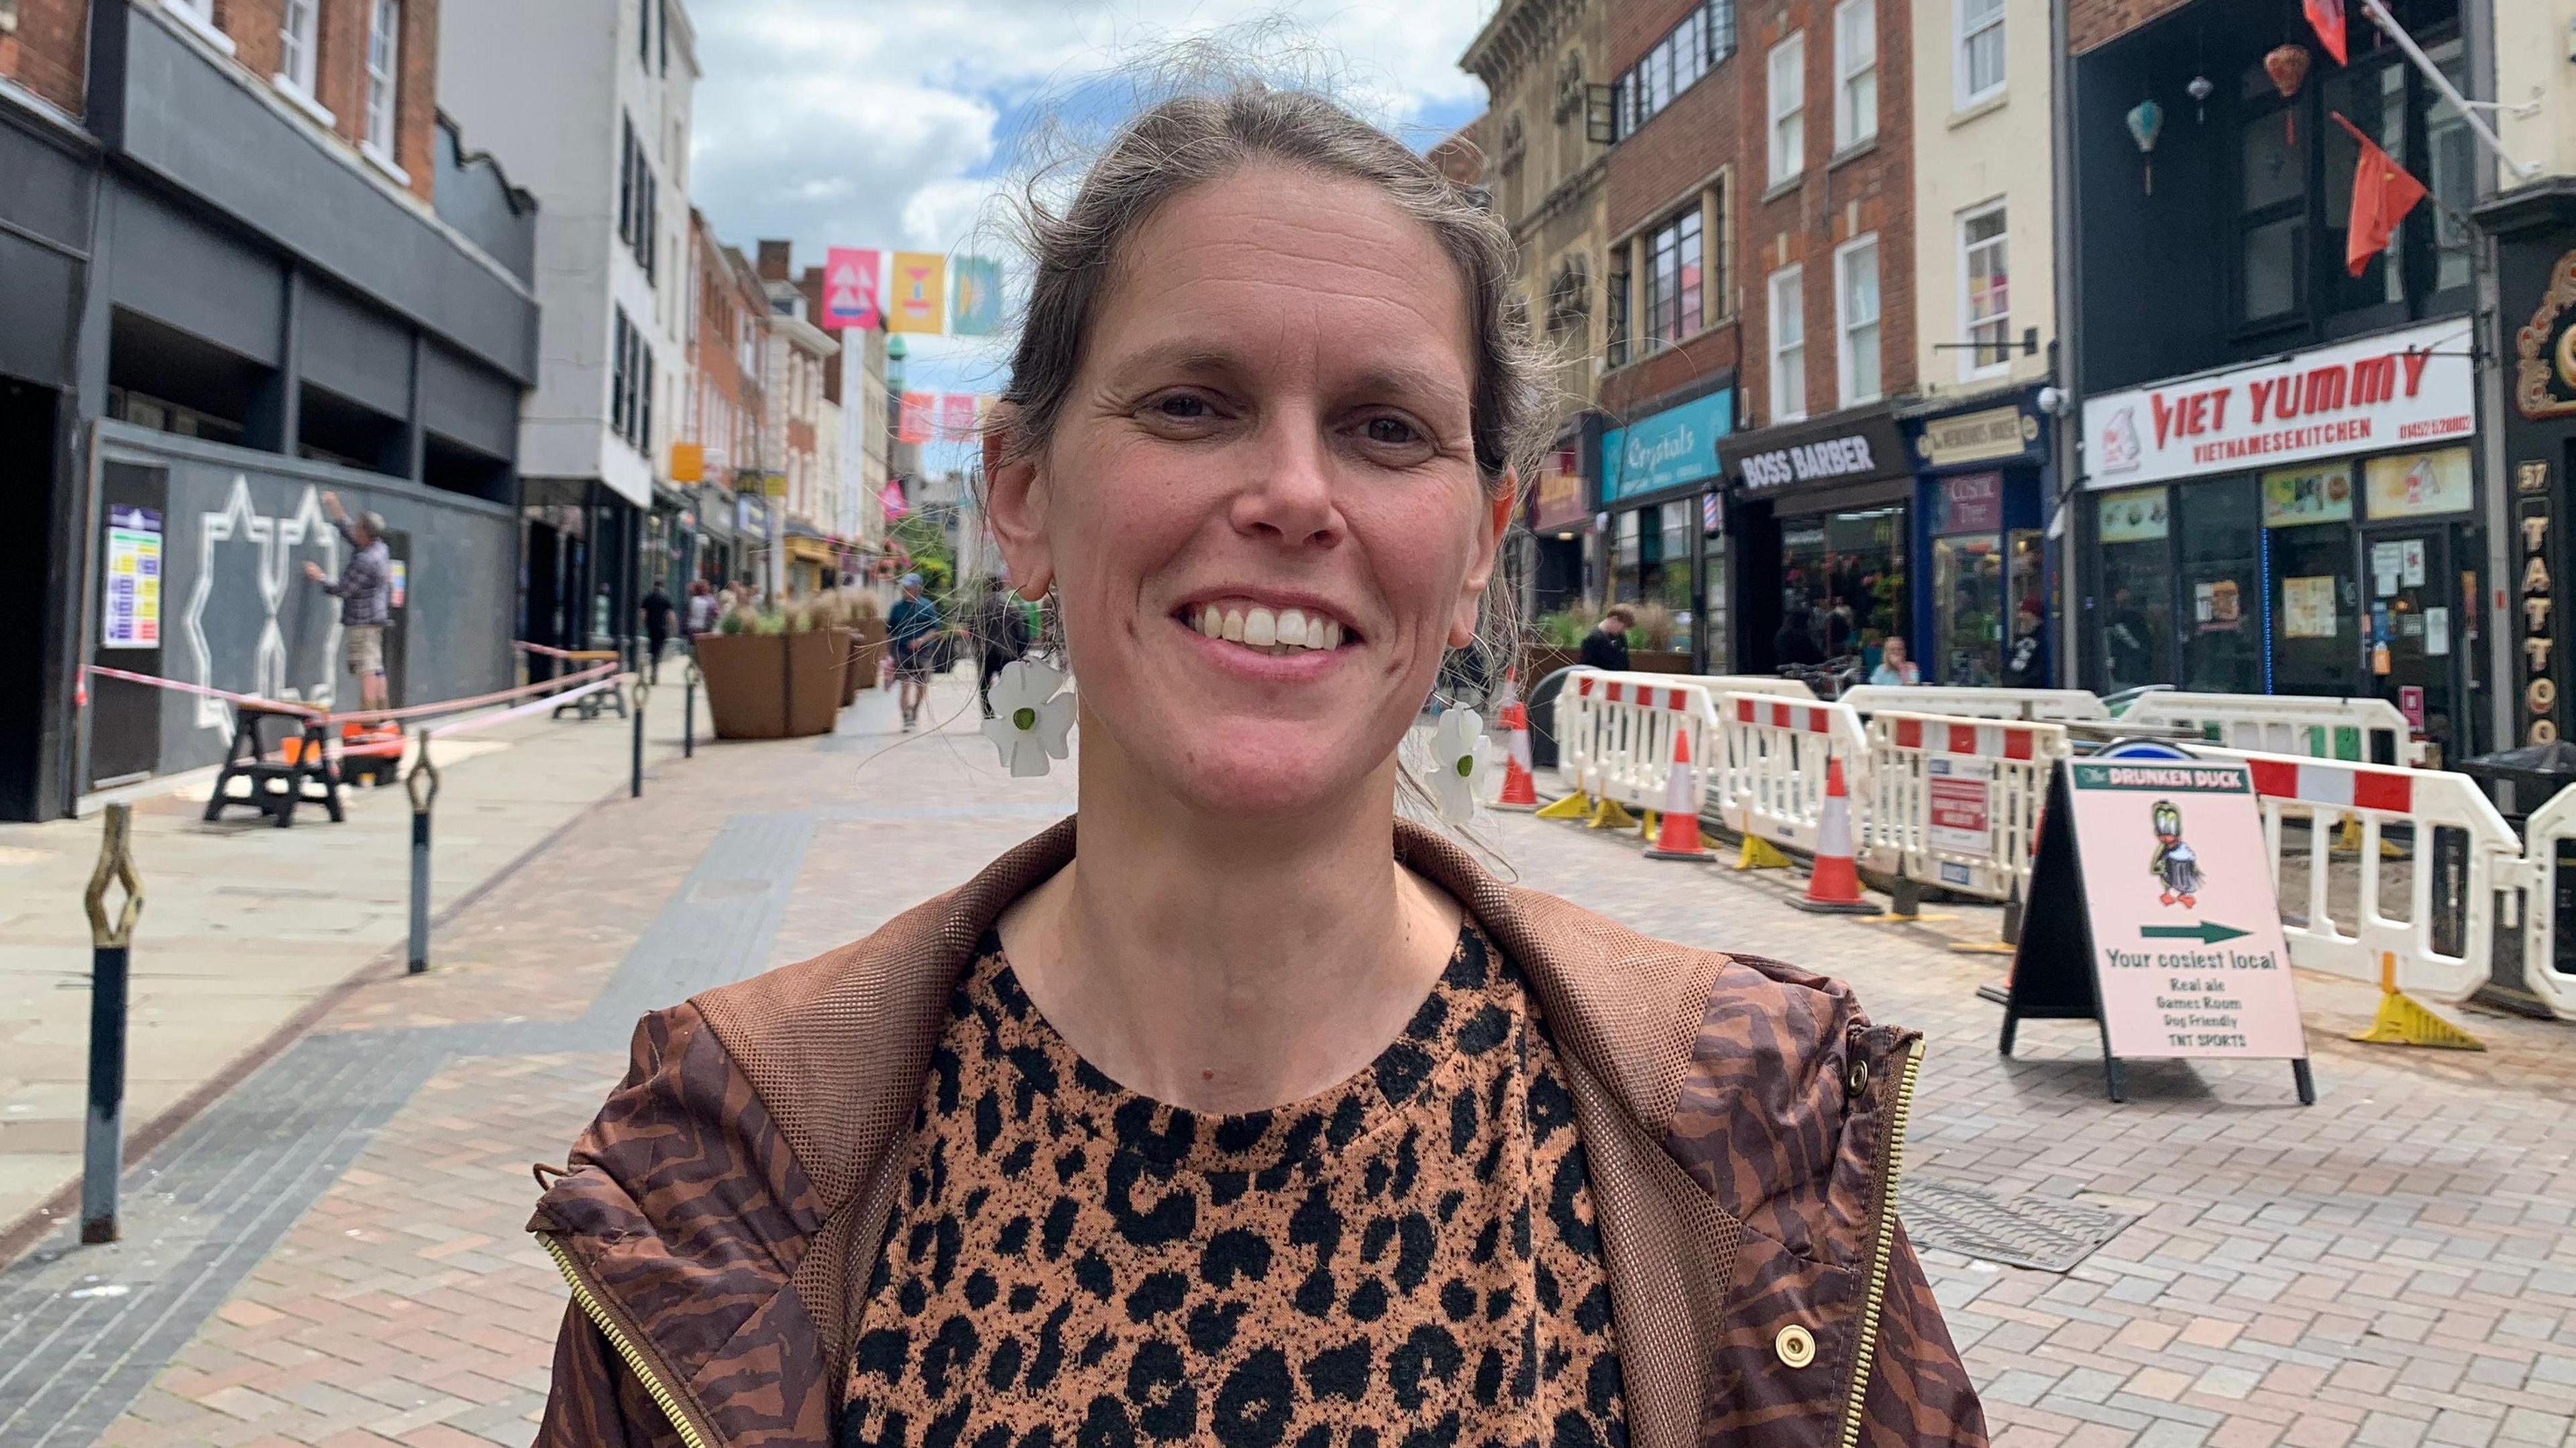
(1459, 763)
(1031, 716)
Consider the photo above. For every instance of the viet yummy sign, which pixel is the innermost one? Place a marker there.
(2379, 392)
(1668, 449)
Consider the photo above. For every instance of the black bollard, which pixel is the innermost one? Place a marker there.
(103, 1146)
(635, 786)
(689, 712)
(422, 785)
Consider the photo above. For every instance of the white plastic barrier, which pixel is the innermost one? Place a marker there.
(1771, 770)
(2441, 946)
(1962, 701)
(1723, 684)
(1615, 735)
(1955, 802)
(2551, 828)
(2357, 731)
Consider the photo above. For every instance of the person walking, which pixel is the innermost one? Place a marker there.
(365, 591)
(1001, 636)
(701, 615)
(912, 636)
(657, 610)
(1248, 1108)
(1606, 647)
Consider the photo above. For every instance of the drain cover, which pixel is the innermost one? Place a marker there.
(2039, 1232)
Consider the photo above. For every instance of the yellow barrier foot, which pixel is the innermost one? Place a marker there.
(2403, 1021)
(1646, 824)
(1892, 918)
(1758, 853)
(2347, 843)
(1607, 815)
(1573, 807)
(1983, 947)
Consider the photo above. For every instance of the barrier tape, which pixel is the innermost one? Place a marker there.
(283, 706)
(181, 686)
(551, 701)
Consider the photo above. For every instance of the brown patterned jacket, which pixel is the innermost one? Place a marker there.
(1743, 1122)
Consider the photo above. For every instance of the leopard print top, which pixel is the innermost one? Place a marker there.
(1406, 1261)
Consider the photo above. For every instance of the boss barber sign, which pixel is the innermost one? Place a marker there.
(1769, 462)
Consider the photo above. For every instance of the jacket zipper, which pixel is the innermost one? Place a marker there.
(1883, 1246)
(610, 1323)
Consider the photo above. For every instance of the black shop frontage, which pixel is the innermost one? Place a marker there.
(1820, 536)
(2535, 231)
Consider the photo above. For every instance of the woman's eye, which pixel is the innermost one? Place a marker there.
(1180, 407)
(1390, 431)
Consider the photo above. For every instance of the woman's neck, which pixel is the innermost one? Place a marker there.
(1227, 966)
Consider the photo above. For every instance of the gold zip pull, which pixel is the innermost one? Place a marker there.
(1883, 1246)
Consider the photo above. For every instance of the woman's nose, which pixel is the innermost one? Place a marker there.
(1287, 493)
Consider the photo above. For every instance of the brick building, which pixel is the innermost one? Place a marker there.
(796, 420)
(246, 260)
(728, 315)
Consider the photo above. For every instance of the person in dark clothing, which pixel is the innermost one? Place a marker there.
(1002, 633)
(1606, 647)
(912, 631)
(2026, 662)
(657, 628)
(1795, 643)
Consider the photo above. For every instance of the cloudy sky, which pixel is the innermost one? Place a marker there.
(894, 123)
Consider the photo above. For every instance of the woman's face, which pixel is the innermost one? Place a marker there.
(1260, 507)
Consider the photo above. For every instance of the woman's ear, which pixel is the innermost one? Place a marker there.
(1015, 499)
(1491, 525)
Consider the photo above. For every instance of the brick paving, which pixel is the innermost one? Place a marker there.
(2393, 1266)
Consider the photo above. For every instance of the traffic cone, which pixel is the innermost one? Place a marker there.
(1520, 791)
(1833, 886)
(1678, 837)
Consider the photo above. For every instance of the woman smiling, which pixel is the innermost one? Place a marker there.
(1259, 1116)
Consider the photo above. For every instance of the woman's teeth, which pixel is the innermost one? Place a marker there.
(1256, 627)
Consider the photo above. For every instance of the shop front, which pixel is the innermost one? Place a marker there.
(2535, 231)
(1820, 532)
(1980, 571)
(1659, 483)
(2303, 526)
(1558, 520)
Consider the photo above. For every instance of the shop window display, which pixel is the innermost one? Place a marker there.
(2307, 523)
(1843, 581)
(2222, 588)
(2134, 610)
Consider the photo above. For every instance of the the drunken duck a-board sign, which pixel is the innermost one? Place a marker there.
(2152, 913)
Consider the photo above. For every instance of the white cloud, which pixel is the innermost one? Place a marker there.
(887, 122)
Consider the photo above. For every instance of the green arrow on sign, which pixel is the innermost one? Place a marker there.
(2207, 933)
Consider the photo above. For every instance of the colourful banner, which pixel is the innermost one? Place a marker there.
(914, 422)
(957, 415)
(976, 308)
(892, 499)
(914, 303)
(849, 289)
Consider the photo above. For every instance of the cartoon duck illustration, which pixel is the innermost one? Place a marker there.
(2174, 862)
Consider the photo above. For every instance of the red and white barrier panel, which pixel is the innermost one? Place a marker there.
(2463, 852)
(1771, 773)
(2545, 835)
(1615, 736)
(1955, 803)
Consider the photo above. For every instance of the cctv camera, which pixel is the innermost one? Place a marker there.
(2053, 402)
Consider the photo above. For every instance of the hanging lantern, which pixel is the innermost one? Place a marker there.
(2146, 122)
(2287, 65)
(2200, 88)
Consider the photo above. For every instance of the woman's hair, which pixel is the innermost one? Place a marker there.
(1623, 613)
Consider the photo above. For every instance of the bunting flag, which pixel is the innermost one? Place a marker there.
(849, 289)
(976, 308)
(2382, 193)
(915, 421)
(892, 499)
(2325, 17)
(914, 305)
(957, 415)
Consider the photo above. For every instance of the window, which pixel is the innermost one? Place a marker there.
(638, 202)
(1690, 50)
(1788, 345)
(1856, 317)
(663, 66)
(1985, 278)
(644, 31)
(1855, 73)
(297, 34)
(1673, 275)
(621, 378)
(1614, 296)
(384, 55)
(1979, 67)
(1788, 97)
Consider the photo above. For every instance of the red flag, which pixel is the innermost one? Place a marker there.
(2382, 193)
(2326, 18)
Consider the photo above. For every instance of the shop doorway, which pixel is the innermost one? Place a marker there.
(2413, 638)
(2316, 608)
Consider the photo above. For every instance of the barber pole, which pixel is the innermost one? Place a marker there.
(1833, 886)
(1520, 790)
(1678, 838)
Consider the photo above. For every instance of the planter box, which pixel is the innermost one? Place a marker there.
(771, 686)
(845, 648)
